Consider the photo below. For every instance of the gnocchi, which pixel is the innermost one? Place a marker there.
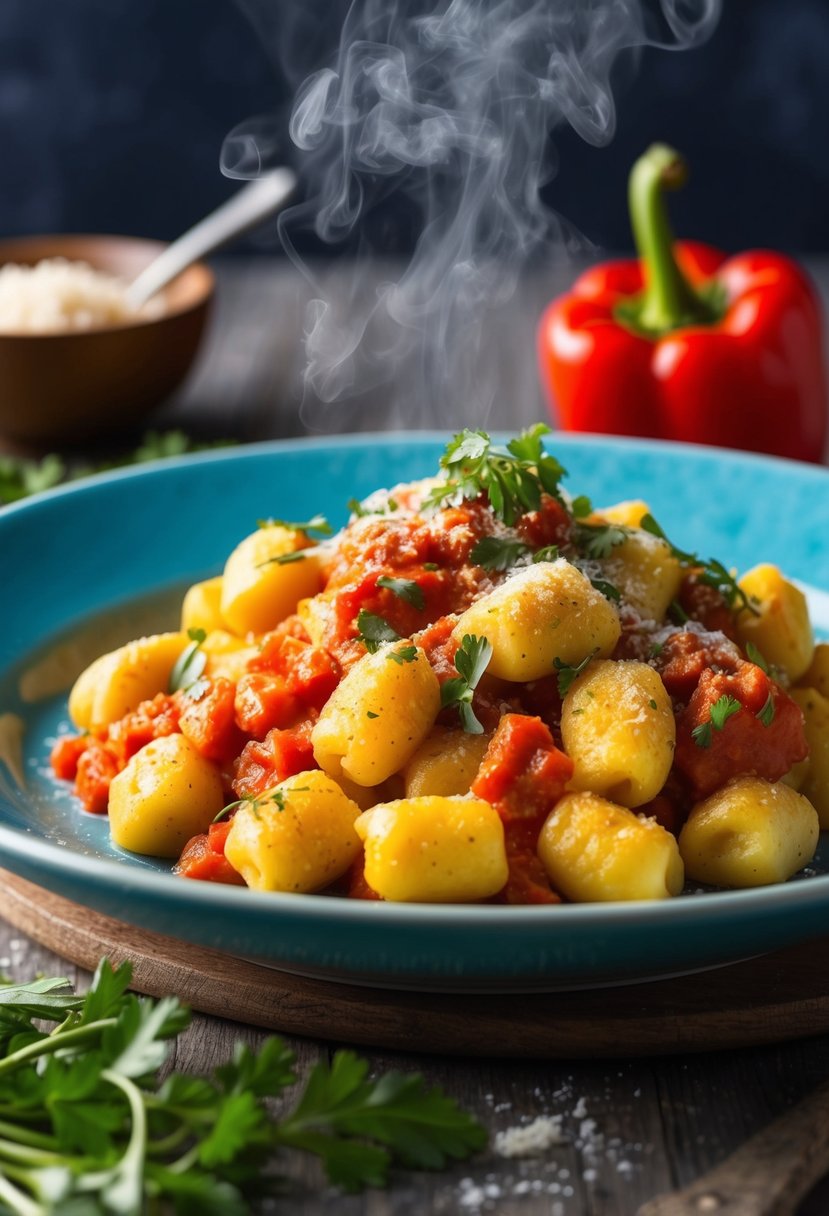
(478, 690)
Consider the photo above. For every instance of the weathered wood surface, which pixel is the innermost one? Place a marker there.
(631, 1129)
(769, 999)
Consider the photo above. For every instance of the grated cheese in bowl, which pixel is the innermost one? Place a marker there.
(59, 295)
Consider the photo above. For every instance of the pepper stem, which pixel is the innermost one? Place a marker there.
(668, 301)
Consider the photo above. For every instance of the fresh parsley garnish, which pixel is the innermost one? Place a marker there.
(548, 554)
(190, 663)
(373, 631)
(284, 559)
(723, 708)
(766, 714)
(255, 802)
(406, 654)
(371, 714)
(567, 672)
(404, 588)
(755, 657)
(598, 540)
(712, 573)
(497, 553)
(677, 613)
(360, 512)
(92, 1129)
(512, 478)
(318, 523)
(607, 589)
(581, 506)
(471, 661)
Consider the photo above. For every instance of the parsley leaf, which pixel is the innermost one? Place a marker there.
(548, 554)
(405, 589)
(581, 506)
(373, 631)
(190, 664)
(766, 714)
(607, 589)
(497, 553)
(471, 661)
(597, 540)
(567, 672)
(512, 478)
(712, 573)
(20, 477)
(397, 1112)
(754, 656)
(318, 523)
(722, 709)
(359, 511)
(406, 654)
(284, 559)
(255, 802)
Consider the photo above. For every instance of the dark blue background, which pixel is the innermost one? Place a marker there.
(112, 115)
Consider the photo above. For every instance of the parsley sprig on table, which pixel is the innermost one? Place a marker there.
(85, 1128)
(511, 478)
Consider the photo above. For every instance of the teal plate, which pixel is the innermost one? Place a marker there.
(106, 558)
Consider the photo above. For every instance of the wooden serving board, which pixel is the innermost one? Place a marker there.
(776, 997)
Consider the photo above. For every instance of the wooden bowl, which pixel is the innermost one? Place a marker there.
(67, 386)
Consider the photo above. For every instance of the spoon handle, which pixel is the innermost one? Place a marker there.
(767, 1176)
(252, 204)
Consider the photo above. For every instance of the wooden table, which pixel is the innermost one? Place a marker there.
(630, 1128)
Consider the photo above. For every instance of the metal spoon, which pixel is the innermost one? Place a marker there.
(254, 203)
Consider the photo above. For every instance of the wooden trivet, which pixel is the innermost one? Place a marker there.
(765, 1000)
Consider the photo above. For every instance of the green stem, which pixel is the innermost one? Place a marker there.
(125, 1191)
(16, 1201)
(54, 1044)
(25, 1154)
(668, 301)
(24, 1135)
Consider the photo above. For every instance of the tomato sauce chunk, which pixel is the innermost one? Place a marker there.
(523, 775)
(203, 857)
(281, 754)
(96, 768)
(764, 735)
(209, 722)
(65, 755)
(263, 701)
(151, 720)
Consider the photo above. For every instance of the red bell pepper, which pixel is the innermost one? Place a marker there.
(687, 344)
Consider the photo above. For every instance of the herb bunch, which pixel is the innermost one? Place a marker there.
(85, 1130)
(512, 478)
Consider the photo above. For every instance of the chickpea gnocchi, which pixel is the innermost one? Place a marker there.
(479, 690)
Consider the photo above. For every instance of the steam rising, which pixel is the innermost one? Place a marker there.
(450, 102)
